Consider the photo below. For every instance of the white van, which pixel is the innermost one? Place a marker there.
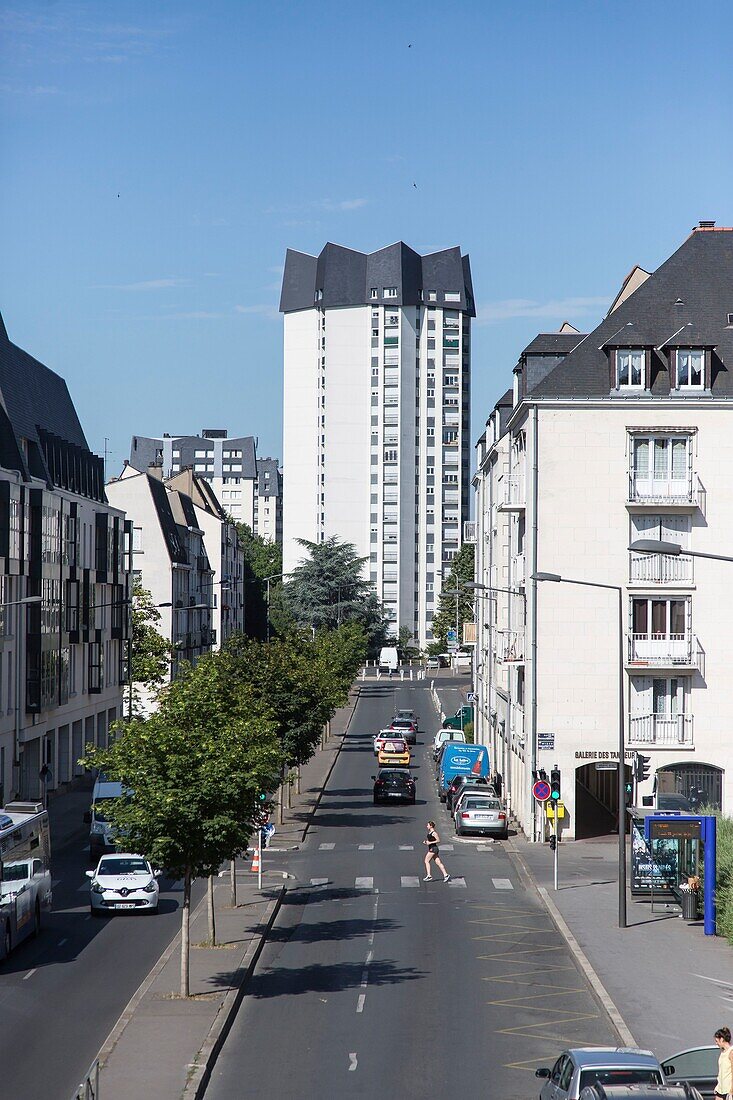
(101, 837)
(388, 659)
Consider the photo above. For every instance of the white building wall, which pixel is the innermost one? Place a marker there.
(301, 415)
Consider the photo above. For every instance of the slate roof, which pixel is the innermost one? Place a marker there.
(695, 286)
(553, 343)
(346, 277)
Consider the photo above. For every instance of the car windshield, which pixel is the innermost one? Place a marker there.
(401, 723)
(480, 804)
(394, 777)
(115, 866)
(627, 1076)
(15, 872)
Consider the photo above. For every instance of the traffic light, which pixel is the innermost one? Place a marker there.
(641, 767)
(553, 842)
(262, 796)
(628, 792)
(555, 785)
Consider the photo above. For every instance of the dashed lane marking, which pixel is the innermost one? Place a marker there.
(354, 1062)
(360, 1002)
(407, 848)
(366, 847)
(30, 974)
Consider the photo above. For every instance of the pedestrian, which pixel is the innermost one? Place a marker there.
(433, 853)
(724, 1084)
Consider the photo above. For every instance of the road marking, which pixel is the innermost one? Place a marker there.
(360, 1002)
(446, 847)
(458, 882)
(374, 920)
(326, 847)
(63, 941)
(354, 1063)
(407, 847)
(30, 974)
(319, 881)
(363, 883)
(364, 977)
(366, 847)
(409, 880)
(483, 848)
(502, 884)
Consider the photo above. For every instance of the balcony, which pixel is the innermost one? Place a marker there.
(676, 652)
(517, 725)
(509, 646)
(683, 494)
(660, 729)
(517, 574)
(512, 490)
(661, 569)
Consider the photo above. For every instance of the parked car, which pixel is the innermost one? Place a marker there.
(459, 782)
(394, 752)
(476, 813)
(407, 727)
(393, 785)
(457, 759)
(683, 1091)
(432, 662)
(698, 1066)
(444, 735)
(580, 1067)
(123, 881)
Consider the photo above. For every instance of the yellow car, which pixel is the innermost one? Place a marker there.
(394, 752)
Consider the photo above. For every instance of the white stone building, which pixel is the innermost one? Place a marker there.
(607, 438)
(376, 415)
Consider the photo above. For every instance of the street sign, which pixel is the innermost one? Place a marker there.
(685, 829)
(546, 742)
(471, 696)
(451, 635)
(541, 790)
(553, 809)
(606, 765)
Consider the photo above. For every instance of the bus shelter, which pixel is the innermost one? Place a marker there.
(681, 852)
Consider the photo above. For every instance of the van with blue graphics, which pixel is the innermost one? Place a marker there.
(457, 759)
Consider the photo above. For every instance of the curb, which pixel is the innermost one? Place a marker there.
(336, 755)
(206, 1057)
(579, 955)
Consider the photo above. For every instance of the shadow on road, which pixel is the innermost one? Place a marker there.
(319, 931)
(325, 978)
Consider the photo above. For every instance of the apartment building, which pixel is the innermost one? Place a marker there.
(64, 583)
(169, 559)
(605, 439)
(377, 369)
(268, 501)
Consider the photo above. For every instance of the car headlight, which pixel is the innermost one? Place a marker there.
(150, 888)
(97, 888)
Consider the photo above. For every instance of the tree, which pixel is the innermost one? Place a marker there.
(445, 618)
(328, 588)
(193, 770)
(150, 651)
(262, 559)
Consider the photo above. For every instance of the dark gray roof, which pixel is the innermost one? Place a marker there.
(269, 466)
(169, 527)
(695, 285)
(505, 399)
(148, 450)
(345, 277)
(553, 343)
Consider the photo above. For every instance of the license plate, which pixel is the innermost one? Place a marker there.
(125, 905)
(484, 817)
(394, 794)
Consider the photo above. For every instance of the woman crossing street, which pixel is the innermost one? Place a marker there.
(432, 840)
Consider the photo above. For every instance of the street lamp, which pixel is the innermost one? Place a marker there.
(557, 579)
(652, 546)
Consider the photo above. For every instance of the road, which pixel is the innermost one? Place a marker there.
(61, 994)
(375, 983)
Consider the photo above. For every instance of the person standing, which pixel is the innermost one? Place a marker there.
(724, 1084)
(432, 840)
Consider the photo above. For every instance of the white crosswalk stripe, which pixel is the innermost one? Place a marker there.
(460, 882)
(409, 880)
(366, 847)
(407, 848)
(326, 847)
(502, 884)
(364, 883)
(446, 847)
(483, 847)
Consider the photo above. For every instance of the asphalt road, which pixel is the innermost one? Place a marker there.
(377, 984)
(61, 994)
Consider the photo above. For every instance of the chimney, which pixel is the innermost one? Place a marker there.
(706, 225)
(155, 469)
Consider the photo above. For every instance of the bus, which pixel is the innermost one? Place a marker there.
(25, 872)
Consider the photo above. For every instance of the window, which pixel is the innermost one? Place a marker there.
(374, 292)
(137, 540)
(658, 619)
(452, 297)
(200, 454)
(690, 369)
(660, 458)
(630, 372)
(96, 667)
(389, 292)
(432, 296)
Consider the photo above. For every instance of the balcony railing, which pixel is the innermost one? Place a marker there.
(669, 491)
(510, 646)
(660, 729)
(518, 569)
(666, 651)
(661, 569)
(513, 495)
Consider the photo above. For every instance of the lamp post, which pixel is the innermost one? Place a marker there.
(673, 549)
(556, 578)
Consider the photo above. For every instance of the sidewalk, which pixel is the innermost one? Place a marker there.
(163, 1046)
(672, 985)
(451, 690)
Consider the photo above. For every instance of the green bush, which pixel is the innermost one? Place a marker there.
(724, 891)
(468, 730)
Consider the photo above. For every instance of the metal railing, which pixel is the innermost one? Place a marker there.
(89, 1088)
(666, 650)
(660, 729)
(648, 490)
(510, 645)
(661, 569)
(513, 491)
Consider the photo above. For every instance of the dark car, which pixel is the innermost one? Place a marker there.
(678, 802)
(406, 727)
(461, 781)
(393, 785)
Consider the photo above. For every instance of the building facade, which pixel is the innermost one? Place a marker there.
(64, 581)
(267, 521)
(603, 440)
(377, 369)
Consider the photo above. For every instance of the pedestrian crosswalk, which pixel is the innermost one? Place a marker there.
(411, 882)
(333, 847)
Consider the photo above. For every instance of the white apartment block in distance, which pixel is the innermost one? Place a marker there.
(377, 369)
(620, 435)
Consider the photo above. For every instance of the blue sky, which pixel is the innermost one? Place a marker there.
(159, 158)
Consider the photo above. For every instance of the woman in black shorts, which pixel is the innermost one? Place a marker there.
(432, 840)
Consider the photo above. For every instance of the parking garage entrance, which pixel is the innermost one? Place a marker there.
(596, 799)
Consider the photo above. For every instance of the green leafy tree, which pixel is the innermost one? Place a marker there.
(150, 651)
(262, 559)
(340, 654)
(328, 589)
(194, 770)
(462, 570)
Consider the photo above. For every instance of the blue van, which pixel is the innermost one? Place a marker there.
(458, 759)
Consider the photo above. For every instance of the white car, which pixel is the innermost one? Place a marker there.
(382, 736)
(123, 881)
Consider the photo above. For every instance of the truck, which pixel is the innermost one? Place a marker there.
(388, 659)
(457, 759)
(25, 872)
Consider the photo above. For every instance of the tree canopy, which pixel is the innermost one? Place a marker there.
(461, 571)
(150, 651)
(262, 559)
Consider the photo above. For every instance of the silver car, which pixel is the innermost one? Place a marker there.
(578, 1068)
(475, 812)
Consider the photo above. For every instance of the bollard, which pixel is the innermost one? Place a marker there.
(402, 674)
(410, 673)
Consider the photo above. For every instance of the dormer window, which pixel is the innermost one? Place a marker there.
(690, 368)
(630, 369)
